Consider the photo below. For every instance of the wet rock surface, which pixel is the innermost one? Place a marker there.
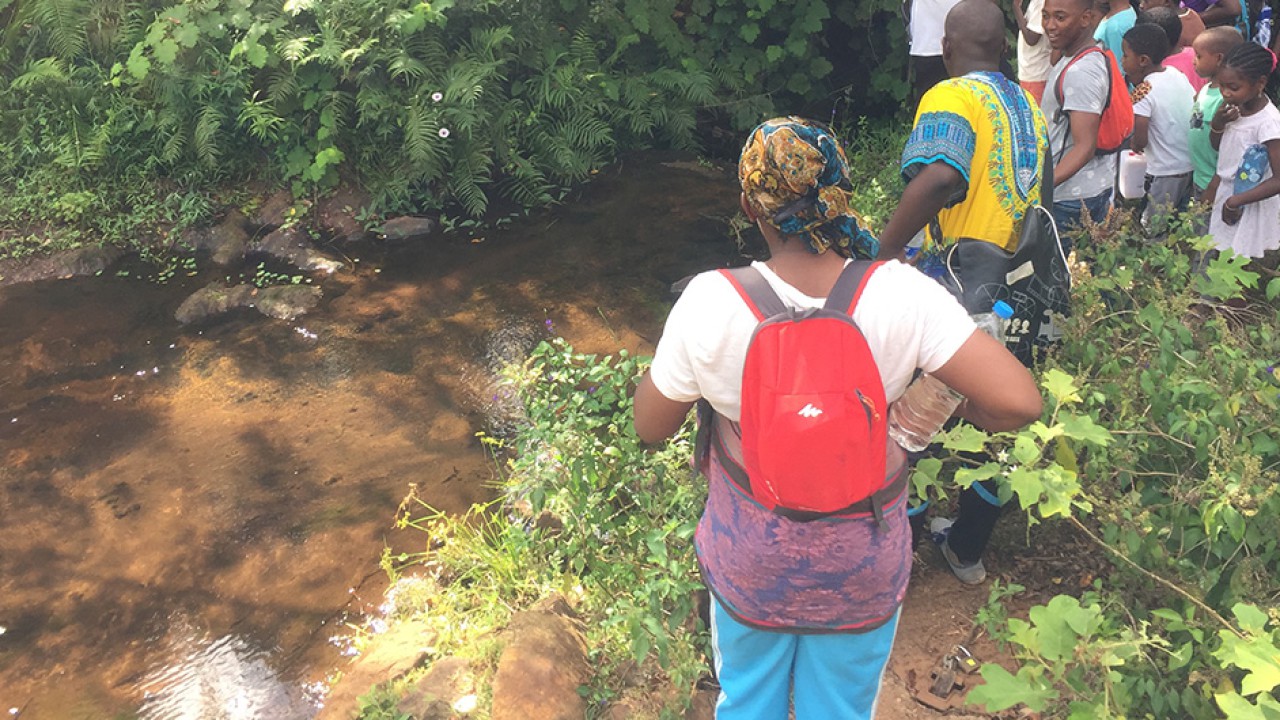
(447, 690)
(225, 242)
(336, 214)
(274, 211)
(388, 657)
(282, 302)
(292, 245)
(407, 227)
(69, 263)
(542, 666)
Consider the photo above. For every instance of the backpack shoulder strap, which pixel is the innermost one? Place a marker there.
(755, 291)
(848, 288)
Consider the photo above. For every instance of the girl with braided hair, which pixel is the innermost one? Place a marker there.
(1246, 132)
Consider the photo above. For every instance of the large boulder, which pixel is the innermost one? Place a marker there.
(542, 666)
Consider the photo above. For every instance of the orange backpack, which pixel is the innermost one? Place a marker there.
(1116, 126)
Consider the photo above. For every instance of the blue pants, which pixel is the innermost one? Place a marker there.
(832, 676)
(1067, 214)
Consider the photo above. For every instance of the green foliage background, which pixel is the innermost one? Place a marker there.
(115, 113)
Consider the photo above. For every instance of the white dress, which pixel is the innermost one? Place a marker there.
(1259, 228)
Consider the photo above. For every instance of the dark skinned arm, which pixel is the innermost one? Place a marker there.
(1000, 393)
(1232, 209)
(1141, 126)
(1030, 36)
(1211, 193)
(1224, 12)
(657, 416)
(926, 194)
(1084, 141)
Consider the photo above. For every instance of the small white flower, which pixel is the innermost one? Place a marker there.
(437, 96)
(444, 132)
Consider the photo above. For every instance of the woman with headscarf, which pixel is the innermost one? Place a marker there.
(806, 611)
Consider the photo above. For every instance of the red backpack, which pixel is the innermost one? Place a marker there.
(814, 419)
(1116, 125)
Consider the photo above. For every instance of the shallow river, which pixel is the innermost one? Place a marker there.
(189, 517)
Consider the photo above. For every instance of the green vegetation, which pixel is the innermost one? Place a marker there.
(588, 513)
(121, 121)
(1183, 497)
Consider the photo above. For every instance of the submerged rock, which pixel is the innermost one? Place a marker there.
(542, 666)
(65, 264)
(283, 302)
(292, 245)
(286, 302)
(407, 227)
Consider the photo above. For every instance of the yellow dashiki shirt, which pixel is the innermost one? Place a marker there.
(992, 132)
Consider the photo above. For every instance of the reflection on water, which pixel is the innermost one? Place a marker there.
(245, 473)
(221, 679)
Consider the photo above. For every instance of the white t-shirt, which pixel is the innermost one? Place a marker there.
(1084, 89)
(1256, 232)
(908, 319)
(927, 18)
(1033, 60)
(1167, 103)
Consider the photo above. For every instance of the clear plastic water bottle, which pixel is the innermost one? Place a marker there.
(927, 403)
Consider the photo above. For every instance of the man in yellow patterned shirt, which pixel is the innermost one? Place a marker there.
(974, 161)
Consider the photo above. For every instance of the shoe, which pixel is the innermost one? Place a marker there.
(968, 573)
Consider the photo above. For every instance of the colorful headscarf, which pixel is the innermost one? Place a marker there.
(796, 177)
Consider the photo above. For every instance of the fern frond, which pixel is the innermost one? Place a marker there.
(282, 85)
(466, 177)
(404, 66)
(422, 142)
(205, 136)
(40, 72)
(261, 120)
(294, 49)
(63, 22)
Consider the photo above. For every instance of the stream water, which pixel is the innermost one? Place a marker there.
(189, 516)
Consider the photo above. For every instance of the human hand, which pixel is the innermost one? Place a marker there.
(1226, 114)
(1231, 214)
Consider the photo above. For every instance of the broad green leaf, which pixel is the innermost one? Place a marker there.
(166, 51)
(1025, 450)
(1044, 432)
(1273, 288)
(1252, 620)
(1257, 656)
(964, 438)
(1002, 690)
(1026, 484)
(1061, 386)
(138, 64)
(1082, 427)
(968, 476)
(925, 475)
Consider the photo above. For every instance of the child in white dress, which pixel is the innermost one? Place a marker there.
(1246, 132)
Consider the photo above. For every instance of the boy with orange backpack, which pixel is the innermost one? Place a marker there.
(1089, 114)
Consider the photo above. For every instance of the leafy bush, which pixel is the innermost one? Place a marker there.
(1184, 497)
(428, 104)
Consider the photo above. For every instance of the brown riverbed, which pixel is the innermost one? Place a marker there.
(190, 514)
